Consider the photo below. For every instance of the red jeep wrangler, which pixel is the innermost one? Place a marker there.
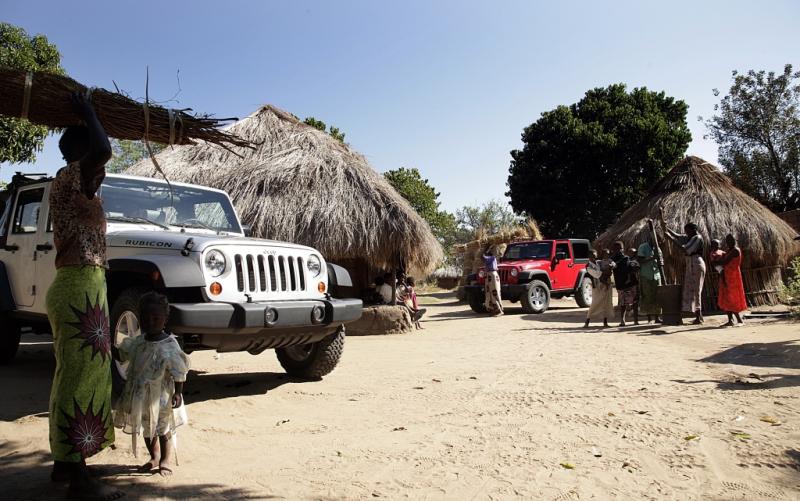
(532, 272)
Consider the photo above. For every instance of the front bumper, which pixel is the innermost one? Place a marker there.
(250, 318)
(510, 292)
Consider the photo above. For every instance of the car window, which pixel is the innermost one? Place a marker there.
(563, 247)
(580, 250)
(529, 250)
(26, 215)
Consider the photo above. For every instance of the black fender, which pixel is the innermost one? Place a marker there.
(6, 297)
(529, 276)
(338, 276)
(581, 275)
(164, 270)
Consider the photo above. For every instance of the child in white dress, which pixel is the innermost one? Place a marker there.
(157, 368)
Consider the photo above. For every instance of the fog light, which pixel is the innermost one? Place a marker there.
(215, 288)
(270, 316)
(321, 287)
(317, 314)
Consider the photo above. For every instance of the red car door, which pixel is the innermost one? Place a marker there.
(562, 274)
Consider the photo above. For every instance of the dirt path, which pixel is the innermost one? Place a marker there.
(469, 408)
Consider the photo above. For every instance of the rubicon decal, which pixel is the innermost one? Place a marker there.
(148, 243)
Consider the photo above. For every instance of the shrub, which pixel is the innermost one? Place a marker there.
(790, 293)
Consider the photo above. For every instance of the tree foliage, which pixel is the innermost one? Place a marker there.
(126, 153)
(425, 201)
(487, 219)
(19, 139)
(757, 127)
(582, 165)
(334, 132)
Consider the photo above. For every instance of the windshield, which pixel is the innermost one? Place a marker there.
(147, 199)
(534, 250)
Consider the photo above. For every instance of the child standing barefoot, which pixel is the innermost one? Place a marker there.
(157, 369)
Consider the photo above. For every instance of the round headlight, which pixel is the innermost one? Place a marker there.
(215, 263)
(314, 265)
(514, 272)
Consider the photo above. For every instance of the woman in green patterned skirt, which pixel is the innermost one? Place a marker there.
(80, 399)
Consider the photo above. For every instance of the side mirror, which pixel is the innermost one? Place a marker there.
(247, 230)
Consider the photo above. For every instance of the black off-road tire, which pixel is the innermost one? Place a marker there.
(536, 298)
(476, 301)
(9, 339)
(583, 299)
(317, 360)
(127, 300)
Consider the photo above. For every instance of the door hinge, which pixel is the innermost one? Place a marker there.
(33, 290)
(34, 255)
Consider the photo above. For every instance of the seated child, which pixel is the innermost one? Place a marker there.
(157, 369)
(411, 301)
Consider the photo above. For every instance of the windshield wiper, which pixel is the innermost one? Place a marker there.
(196, 223)
(131, 219)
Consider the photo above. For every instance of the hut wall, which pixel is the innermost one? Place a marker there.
(761, 285)
(359, 274)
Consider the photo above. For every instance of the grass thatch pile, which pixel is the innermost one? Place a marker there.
(48, 104)
(697, 191)
(470, 254)
(301, 185)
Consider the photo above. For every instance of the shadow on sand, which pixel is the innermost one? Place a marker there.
(26, 475)
(780, 354)
(202, 386)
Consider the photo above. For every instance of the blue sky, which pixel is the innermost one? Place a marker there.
(444, 86)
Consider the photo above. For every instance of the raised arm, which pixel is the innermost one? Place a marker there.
(93, 162)
(728, 257)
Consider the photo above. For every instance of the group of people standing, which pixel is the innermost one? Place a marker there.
(638, 272)
(636, 276)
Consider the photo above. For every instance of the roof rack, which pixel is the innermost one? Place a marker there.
(20, 179)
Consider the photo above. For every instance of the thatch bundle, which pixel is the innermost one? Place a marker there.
(301, 185)
(470, 254)
(697, 191)
(43, 98)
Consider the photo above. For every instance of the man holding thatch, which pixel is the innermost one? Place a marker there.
(492, 288)
(693, 245)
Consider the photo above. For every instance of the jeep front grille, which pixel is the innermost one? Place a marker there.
(269, 273)
(504, 275)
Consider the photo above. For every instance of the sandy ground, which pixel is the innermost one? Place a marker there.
(468, 408)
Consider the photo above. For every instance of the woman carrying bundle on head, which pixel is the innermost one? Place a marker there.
(80, 399)
(492, 289)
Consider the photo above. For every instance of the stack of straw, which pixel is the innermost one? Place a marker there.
(44, 99)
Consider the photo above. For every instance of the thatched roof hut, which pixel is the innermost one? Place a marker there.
(301, 185)
(697, 191)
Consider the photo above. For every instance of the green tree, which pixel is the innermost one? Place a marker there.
(582, 165)
(334, 132)
(757, 127)
(425, 200)
(488, 218)
(19, 139)
(126, 153)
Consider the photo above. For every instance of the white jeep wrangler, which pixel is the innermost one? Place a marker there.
(227, 292)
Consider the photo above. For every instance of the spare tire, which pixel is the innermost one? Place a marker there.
(583, 294)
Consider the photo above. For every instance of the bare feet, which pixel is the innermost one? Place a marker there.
(149, 466)
(164, 471)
